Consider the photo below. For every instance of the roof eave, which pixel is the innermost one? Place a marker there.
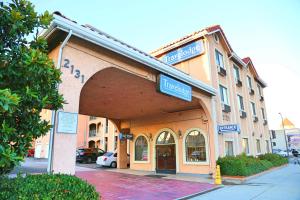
(93, 37)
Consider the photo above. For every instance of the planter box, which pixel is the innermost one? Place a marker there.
(241, 179)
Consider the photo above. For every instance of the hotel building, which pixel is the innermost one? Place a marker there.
(175, 110)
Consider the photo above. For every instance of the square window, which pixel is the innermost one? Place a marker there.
(219, 59)
(229, 148)
(245, 146)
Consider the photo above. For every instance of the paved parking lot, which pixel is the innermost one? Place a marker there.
(115, 185)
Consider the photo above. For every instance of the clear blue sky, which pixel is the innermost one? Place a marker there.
(267, 31)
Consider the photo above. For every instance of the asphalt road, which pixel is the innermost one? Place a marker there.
(35, 165)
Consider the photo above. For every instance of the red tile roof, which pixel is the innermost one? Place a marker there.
(246, 60)
(207, 30)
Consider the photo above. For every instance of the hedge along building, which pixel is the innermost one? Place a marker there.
(168, 112)
(240, 114)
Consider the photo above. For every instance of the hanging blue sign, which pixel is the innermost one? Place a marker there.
(125, 136)
(186, 52)
(229, 128)
(174, 88)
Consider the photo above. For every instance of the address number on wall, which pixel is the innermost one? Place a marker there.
(76, 72)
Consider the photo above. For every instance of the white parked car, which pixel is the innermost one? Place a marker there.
(283, 153)
(109, 159)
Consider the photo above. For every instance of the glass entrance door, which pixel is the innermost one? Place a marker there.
(165, 153)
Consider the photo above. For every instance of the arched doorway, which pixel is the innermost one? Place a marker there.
(165, 148)
(98, 144)
(92, 144)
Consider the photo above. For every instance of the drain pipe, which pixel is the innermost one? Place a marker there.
(54, 112)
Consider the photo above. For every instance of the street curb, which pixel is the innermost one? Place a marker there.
(240, 180)
(200, 193)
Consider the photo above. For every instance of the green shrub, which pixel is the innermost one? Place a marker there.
(275, 159)
(243, 165)
(46, 187)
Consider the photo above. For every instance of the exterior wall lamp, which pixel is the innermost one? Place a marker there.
(179, 133)
(150, 137)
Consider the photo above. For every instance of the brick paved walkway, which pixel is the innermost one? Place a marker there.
(114, 185)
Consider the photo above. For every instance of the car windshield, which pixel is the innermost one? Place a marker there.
(108, 154)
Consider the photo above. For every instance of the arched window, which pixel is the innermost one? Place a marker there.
(165, 137)
(92, 130)
(141, 149)
(195, 147)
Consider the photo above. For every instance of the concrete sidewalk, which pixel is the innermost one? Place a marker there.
(281, 184)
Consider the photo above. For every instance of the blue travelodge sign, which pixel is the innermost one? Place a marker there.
(229, 128)
(183, 53)
(174, 88)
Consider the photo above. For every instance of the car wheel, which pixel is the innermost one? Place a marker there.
(113, 165)
(89, 160)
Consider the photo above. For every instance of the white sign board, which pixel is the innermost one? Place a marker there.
(67, 122)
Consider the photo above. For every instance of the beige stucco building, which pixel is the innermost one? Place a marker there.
(239, 100)
(170, 110)
(93, 132)
(102, 134)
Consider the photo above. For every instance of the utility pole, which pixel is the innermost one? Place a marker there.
(286, 144)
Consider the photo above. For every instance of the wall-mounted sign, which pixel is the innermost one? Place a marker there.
(183, 53)
(229, 128)
(174, 88)
(125, 136)
(67, 122)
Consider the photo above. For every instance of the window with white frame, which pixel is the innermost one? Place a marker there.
(195, 147)
(253, 109)
(245, 145)
(249, 82)
(229, 148)
(259, 90)
(236, 73)
(216, 37)
(240, 102)
(224, 95)
(263, 113)
(141, 149)
(258, 149)
(219, 59)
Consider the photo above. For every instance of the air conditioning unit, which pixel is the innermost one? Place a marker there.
(243, 114)
(238, 82)
(255, 118)
(226, 108)
(223, 106)
(221, 71)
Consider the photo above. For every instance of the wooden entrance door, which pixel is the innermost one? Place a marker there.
(166, 158)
